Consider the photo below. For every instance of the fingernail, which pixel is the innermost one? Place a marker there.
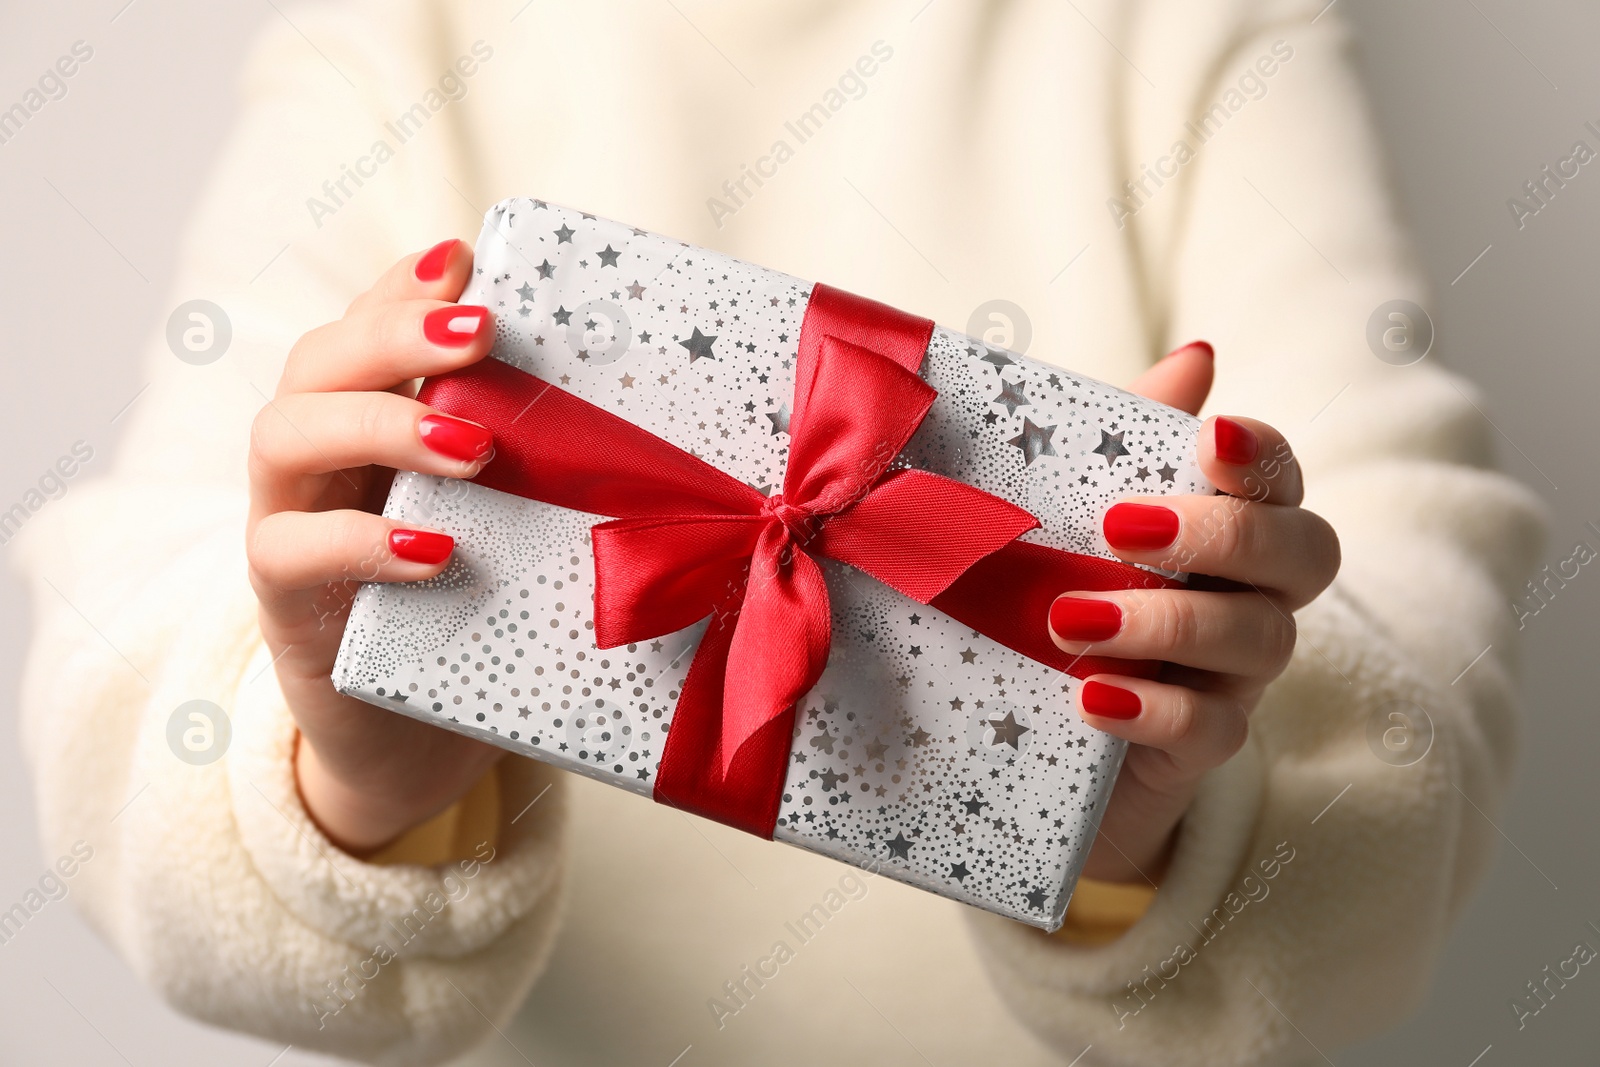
(430, 268)
(1203, 347)
(1140, 527)
(1083, 619)
(421, 546)
(1110, 701)
(1235, 442)
(455, 438)
(455, 325)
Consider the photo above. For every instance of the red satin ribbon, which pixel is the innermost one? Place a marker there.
(688, 540)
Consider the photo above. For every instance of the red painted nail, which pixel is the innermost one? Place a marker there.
(421, 546)
(1203, 347)
(430, 267)
(1140, 527)
(454, 326)
(1110, 701)
(1082, 619)
(455, 438)
(1235, 442)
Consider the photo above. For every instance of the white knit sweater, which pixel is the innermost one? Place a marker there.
(984, 156)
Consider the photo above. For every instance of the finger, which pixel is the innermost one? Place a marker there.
(1287, 552)
(1227, 633)
(1181, 380)
(1247, 458)
(318, 433)
(381, 345)
(1197, 729)
(437, 273)
(291, 552)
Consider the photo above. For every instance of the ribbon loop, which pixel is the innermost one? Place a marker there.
(861, 410)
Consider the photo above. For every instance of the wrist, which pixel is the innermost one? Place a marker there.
(353, 819)
(1134, 848)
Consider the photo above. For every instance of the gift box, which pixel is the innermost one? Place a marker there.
(775, 554)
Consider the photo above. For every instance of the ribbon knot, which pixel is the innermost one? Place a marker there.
(800, 523)
(691, 543)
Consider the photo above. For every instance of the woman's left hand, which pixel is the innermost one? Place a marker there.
(1256, 556)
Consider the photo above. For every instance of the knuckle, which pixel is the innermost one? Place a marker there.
(1176, 624)
(1215, 533)
(259, 554)
(1239, 534)
(1264, 635)
(1325, 547)
(362, 547)
(372, 416)
(388, 328)
(1277, 460)
(1277, 639)
(1233, 729)
(304, 353)
(399, 281)
(1204, 731)
(361, 302)
(1182, 714)
(264, 440)
(341, 535)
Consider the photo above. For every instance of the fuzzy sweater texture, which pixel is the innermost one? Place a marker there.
(985, 155)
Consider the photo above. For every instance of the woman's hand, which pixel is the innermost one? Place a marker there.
(1257, 556)
(322, 455)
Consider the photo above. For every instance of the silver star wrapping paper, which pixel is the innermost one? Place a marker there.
(926, 751)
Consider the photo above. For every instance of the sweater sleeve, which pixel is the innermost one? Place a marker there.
(206, 872)
(1317, 876)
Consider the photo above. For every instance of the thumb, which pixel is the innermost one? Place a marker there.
(1181, 380)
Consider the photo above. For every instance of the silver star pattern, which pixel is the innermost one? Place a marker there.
(1034, 442)
(1007, 731)
(1011, 396)
(1110, 447)
(699, 346)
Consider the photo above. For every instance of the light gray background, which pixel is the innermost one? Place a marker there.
(1472, 98)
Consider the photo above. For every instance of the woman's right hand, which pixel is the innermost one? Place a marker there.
(322, 455)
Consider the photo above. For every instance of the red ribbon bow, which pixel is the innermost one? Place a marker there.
(689, 540)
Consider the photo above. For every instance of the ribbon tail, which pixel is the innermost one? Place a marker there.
(560, 449)
(780, 646)
(743, 793)
(1007, 596)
